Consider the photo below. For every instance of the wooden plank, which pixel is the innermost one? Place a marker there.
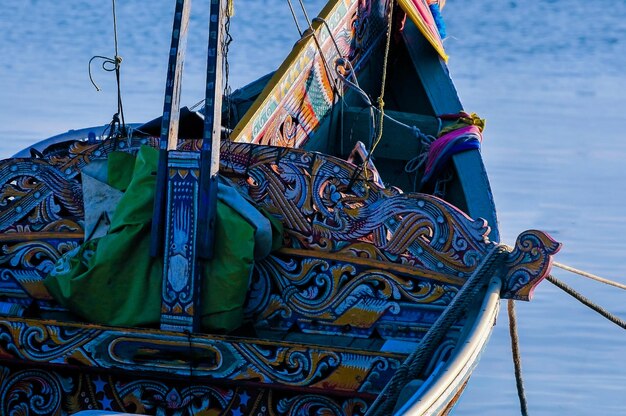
(180, 292)
(210, 153)
(171, 112)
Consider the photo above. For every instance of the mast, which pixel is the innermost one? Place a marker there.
(186, 195)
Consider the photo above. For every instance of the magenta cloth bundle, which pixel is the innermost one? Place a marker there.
(442, 149)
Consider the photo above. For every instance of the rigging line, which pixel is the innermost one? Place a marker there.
(311, 33)
(295, 18)
(330, 33)
(590, 304)
(589, 275)
(196, 105)
(340, 61)
(112, 65)
(381, 103)
(368, 103)
(118, 61)
(306, 15)
(226, 41)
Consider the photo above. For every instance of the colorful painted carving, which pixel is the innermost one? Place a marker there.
(364, 272)
(39, 391)
(205, 358)
(305, 88)
(181, 279)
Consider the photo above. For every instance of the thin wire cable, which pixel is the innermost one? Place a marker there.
(112, 65)
(330, 33)
(311, 33)
(361, 93)
(118, 61)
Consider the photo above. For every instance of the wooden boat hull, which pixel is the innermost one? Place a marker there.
(446, 389)
(365, 273)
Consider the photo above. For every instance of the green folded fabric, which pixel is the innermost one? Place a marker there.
(113, 280)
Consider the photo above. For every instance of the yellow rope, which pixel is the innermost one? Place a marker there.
(381, 103)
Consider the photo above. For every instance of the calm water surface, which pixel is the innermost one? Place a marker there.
(549, 76)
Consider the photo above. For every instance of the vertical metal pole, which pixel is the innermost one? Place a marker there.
(171, 113)
(212, 130)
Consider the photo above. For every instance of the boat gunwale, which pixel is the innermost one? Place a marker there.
(437, 396)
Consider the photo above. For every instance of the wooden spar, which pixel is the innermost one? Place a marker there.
(212, 130)
(171, 112)
(174, 224)
(189, 182)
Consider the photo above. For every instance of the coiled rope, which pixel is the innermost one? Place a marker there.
(415, 363)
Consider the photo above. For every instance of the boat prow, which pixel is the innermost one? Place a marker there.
(327, 288)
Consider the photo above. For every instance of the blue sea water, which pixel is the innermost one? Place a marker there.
(548, 75)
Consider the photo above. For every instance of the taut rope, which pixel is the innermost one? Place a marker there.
(589, 275)
(517, 358)
(582, 299)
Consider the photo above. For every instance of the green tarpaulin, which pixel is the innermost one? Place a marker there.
(113, 280)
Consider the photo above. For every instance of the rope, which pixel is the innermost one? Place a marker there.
(306, 15)
(589, 275)
(414, 165)
(295, 18)
(608, 315)
(517, 358)
(415, 363)
(380, 101)
(226, 41)
(330, 34)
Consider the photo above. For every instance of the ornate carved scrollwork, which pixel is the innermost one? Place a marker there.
(528, 264)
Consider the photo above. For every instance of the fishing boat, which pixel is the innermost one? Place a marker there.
(296, 248)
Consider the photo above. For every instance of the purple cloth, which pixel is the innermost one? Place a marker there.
(442, 149)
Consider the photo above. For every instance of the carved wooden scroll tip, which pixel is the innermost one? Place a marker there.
(528, 264)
